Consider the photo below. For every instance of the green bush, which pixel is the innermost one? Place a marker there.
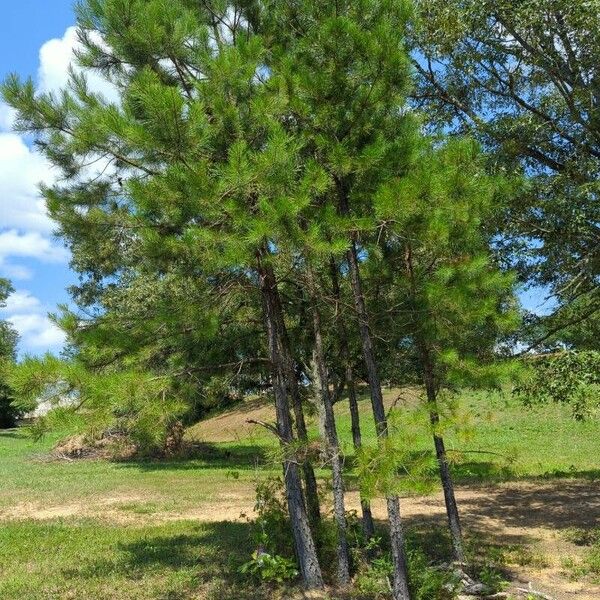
(569, 377)
(138, 407)
(270, 568)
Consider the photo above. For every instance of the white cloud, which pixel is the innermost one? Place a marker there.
(22, 168)
(25, 227)
(16, 272)
(37, 332)
(30, 245)
(21, 301)
(30, 319)
(7, 117)
(56, 57)
(21, 171)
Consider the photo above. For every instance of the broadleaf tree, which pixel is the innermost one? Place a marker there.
(522, 77)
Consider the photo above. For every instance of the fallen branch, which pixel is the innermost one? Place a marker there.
(529, 590)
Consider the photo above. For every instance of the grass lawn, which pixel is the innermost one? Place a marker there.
(497, 439)
(126, 530)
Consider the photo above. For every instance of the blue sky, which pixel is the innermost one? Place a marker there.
(35, 42)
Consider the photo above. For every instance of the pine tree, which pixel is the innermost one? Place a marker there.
(346, 74)
(451, 301)
(195, 168)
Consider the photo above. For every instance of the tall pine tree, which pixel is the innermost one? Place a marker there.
(195, 168)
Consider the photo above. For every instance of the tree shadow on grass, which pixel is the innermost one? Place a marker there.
(205, 457)
(552, 505)
(13, 433)
(209, 554)
(516, 514)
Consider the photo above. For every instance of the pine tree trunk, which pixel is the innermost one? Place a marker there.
(332, 445)
(367, 516)
(440, 452)
(438, 440)
(310, 480)
(400, 588)
(306, 553)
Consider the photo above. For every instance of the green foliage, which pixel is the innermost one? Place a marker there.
(9, 413)
(254, 139)
(452, 304)
(567, 377)
(272, 569)
(400, 463)
(393, 465)
(139, 406)
(426, 582)
(218, 393)
(273, 533)
(492, 578)
(516, 76)
(374, 580)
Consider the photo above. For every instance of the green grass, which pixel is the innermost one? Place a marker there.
(26, 475)
(588, 565)
(148, 557)
(80, 559)
(496, 438)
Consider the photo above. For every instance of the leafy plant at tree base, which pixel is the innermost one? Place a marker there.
(426, 581)
(570, 377)
(270, 568)
(271, 561)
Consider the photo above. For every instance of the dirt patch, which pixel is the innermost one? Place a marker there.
(532, 516)
(138, 509)
(232, 425)
(99, 508)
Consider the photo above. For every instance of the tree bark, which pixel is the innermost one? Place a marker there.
(304, 545)
(331, 441)
(442, 459)
(400, 590)
(434, 417)
(367, 516)
(310, 480)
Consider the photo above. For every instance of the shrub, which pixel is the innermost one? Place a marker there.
(270, 568)
(570, 377)
(138, 407)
